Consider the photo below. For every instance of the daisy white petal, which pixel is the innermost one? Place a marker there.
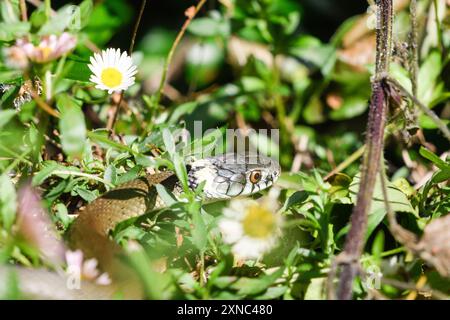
(103, 280)
(74, 258)
(90, 269)
(231, 230)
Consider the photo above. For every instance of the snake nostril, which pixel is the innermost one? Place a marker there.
(275, 176)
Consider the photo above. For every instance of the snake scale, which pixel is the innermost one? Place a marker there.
(224, 177)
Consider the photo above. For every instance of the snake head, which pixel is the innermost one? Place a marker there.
(231, 175)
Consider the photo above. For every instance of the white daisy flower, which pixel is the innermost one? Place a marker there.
(49, 48)
(250, 227)
(15, 58)
(86, 269)
(112, 71)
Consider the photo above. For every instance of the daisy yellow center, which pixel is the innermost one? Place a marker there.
(258, 222)
(45, 51)
(111, 77)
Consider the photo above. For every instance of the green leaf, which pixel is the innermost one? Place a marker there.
(7, 201)
(294, 199)
(165, 195)
(289, 261)
(101, 136)
(68, 17)
(62, 214)
(105, 19)
(199, 231)
(38, 18)
(339, 187)
(378, 245)
(12, 77)
(9, 11)
(428, 74)
(185, 108)
(313, 112)
(110, 174)
(374, 220)
(72, 126)
(131, 174)
(86, 8)
(76, 70)
(87, 195)
(209, 27)
(180, 170)
(427, 123)
(48, 168)
(11, 289)
(215, 274)
(310, 49)
(441, 176)
(272, 293)
(154, 283)
(178, 163)
(397, 199)
(6, 116)
(352, 107)
(168, 141)
(252, 84)
(12, 31)
(250, 286)
(441, 164)
(316, 289)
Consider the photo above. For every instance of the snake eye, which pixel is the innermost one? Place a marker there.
(255, 176)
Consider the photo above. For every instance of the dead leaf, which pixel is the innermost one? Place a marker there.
(435, 244)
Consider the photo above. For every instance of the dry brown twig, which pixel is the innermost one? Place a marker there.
(379, 103)
(23, 10)
(383, 90)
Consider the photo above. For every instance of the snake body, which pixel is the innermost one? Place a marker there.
(223, 177)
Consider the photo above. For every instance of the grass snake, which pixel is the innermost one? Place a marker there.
(223, 177)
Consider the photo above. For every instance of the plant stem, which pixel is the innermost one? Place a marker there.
(413, 65)
(279, 106)
(136, 26)
(82, 174)
(202, 269)
(191, 13)
(387, 253)
(48, 8)
(384, 37)
(354, 241)
(413, 43)
(20, 158)
(43, 105)
(352, 158)
(15, 155)
(112, 122)
(23, 10)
